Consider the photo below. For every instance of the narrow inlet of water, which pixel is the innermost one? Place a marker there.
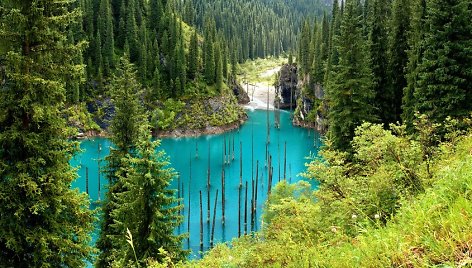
(288, 146)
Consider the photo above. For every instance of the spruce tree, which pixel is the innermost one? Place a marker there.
(415, 54)
(397, 52)
(378, 45)
(317, 71)
(350, 93)
(333, 56)
(180, 66)
(105, 26)
(146, 207)
(304, 51)
(218, 68)
(224, 60)
(193, 56)
(44, 223)
(132, 31)
(445, 71)
(209, 62)
(125, 91)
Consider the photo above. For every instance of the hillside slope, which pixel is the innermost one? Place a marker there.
(429, 228)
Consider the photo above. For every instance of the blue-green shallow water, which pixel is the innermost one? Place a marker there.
(300, 144)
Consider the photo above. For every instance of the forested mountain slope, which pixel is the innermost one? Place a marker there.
(255, 29)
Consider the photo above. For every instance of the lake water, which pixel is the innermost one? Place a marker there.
(190, 157)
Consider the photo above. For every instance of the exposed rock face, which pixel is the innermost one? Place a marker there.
(104, 110)
(287, 85)
(307, 98)
(238, 91)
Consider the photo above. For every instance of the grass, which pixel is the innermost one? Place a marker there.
(430, 230)
(253, 70)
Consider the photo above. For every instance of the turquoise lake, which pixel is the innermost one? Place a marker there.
(189, 156)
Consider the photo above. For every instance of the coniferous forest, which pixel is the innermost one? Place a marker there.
(387, 82)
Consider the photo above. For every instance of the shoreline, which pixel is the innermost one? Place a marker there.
(210, 130)
(176, 133)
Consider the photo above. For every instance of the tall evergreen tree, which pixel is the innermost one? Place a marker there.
(350, 93)
(105, 26)
(445, 71)
(304, 50)
(317, 70)
(132, 31)
(180, 66)
(218, 67)
(146, 206)
(333, 56)
(209, 62)
(125, 91)
(415, 54)
(397, 52)
(224, 59)
(43, 221)
(378, 45)
(193, 56)
(208, 52)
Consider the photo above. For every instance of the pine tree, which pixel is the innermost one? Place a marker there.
(333, 56)
(132, 31)
(43, 221)
(224, 60)
(317, 71)
(445, 71)
(121, 33)
(290, 59)
(125, 92)
(146, 207)
(350, 93)
(234, 62)
(181, 66)
(193, 57)
(105, 26)
(98, 55)
(156, 15)
(218, 68)
(324, 39)
(378, 45)
(397, 52)
(415, 53)
(304, 51)
(209, 62)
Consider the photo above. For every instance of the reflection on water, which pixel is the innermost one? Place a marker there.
(193, 157)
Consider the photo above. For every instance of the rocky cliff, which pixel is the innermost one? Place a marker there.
(307, 98)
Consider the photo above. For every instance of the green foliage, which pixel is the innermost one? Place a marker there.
(163, 118)
(125, 130)
(138, 198)
(126, 91)
(350, 94)
(78, 117)
(378, 45)
(445, 71)
(218, 68)
(44, 223)
(304, 56)
(193, 57)
(145, 207)
(400, 22)
(369, 212)
(260, 70)
(415, 53)
(255, 29)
